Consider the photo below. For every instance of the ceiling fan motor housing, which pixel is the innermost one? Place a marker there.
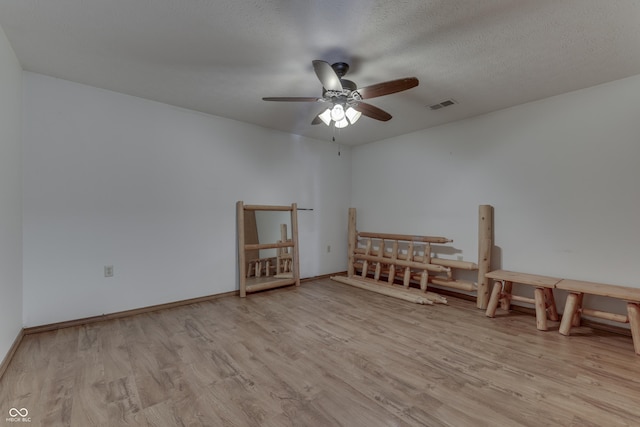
(340, 68)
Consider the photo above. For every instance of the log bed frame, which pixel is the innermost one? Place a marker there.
(390, 263)
(286, 264)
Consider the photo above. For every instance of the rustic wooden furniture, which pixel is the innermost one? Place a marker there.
(286, 264)
(543, 294)
(378, 261)
(574, 310)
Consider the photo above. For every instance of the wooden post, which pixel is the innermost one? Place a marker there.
(551, 304)
(241, 254)
(507, 288)
(633, 311)
(492, 306)
(392, 266)
(570, 310)
(424, 279)
(365, 262)
(281, 261)
(352, 242)
(407, 270)
(376, 276)
(427, 253)
(294, 240)
(577, 317)
(485, 244)
(541, 309)
(426, 258)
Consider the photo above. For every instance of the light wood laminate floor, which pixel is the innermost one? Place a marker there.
(323, 354)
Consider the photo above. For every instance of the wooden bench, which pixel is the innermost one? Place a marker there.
(573, 309)
(543, 294)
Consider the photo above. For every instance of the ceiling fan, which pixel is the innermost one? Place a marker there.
(345, 98)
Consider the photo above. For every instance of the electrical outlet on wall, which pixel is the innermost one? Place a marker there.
(108, 271)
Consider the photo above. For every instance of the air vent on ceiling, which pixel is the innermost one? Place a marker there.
(442, 104)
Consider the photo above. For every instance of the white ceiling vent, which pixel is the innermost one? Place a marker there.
(442, 104)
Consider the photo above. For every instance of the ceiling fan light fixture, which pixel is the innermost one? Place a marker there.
(326, 116)
(337, 113)
(342, 123)
(352, 114)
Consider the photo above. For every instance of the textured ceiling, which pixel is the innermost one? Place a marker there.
(222, 56)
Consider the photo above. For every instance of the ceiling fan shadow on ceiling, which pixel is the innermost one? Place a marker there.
(345, 98)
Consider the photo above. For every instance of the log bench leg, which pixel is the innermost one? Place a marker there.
(570, 311)
(551, 304)
(505, 303)
(492, 306)
(577, 317)
(541, 309)
(543, 301)
(633, 311)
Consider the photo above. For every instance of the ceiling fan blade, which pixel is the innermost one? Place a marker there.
(316, 120)
(292, 99)
(327, 75)
(372, 111)
(386, 88)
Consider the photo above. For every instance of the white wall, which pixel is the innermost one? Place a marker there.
(116, 180)
(10, 197)
(111, 179)
(561, 173)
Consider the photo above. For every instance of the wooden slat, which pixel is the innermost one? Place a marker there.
(601, 289)
(390, 291)
(269, 245)
(524, 278)
(453, 263)
(404, 263)
(431, 296)
(463, 285)
(266, 208)
(270, 284)
(621, 318)
(407, 237)
(519, 298)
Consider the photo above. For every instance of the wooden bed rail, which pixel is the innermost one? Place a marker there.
(406, 237)
(395, 262)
